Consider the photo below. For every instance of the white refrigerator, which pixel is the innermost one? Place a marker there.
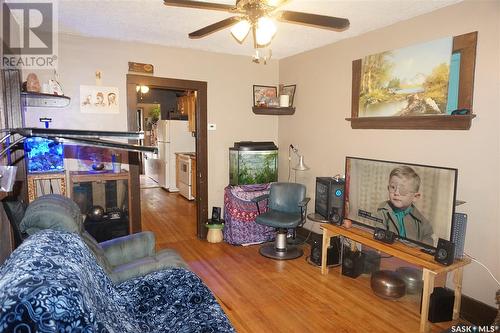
(173, 137)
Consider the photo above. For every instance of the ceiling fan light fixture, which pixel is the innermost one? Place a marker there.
(264, 31)
(240, 30)
(142, 89)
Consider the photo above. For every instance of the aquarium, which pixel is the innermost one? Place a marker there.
(253, 163)
(44, 155)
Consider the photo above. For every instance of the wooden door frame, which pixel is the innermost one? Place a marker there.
(201, 143)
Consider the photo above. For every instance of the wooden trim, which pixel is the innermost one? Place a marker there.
(201, 137)
(477, 312)
(356, 85)
(434, 122)
(466, 45)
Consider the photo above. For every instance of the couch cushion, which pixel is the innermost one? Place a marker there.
(52, 283)
(163, 259)
(52, 211)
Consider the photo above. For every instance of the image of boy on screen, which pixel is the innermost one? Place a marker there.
(399, 213)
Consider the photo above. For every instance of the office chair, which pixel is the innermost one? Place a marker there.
(287, 209)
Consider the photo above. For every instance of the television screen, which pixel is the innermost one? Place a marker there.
(417, 202)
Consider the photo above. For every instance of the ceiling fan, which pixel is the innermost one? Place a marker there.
(257, 16)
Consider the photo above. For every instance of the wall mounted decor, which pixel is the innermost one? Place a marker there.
(425, 86)
(138, 67)
(264, 95)
(290, 91)
(98, 99)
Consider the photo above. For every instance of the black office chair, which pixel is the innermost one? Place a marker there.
(14, 209)
(287, 209)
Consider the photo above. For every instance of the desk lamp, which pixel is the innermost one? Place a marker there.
(300, 166)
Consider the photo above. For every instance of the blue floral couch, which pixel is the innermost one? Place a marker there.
(52, 283)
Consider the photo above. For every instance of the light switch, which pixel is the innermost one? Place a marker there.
(212, 127)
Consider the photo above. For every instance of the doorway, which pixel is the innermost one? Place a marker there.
(199, 88)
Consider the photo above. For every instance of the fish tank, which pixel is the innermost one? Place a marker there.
(253, 163)
(44, 155)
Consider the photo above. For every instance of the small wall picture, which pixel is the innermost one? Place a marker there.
(98, 99)
(290, 91)
(264, 95)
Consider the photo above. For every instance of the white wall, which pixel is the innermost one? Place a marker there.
(323, 101)
(230, 80)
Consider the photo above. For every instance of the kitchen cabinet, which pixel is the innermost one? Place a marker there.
(187, 106)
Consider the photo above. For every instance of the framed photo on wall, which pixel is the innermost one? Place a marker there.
(264, 95)
(290, 91)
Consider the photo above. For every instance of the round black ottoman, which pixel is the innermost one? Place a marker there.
(412, 278)
(388, 284)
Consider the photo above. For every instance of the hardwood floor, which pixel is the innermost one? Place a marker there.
(264, 295)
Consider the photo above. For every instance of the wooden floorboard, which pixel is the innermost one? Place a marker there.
(264, 295)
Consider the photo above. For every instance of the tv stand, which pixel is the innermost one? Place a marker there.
(431, 269)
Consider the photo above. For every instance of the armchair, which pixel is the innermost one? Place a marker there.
(287, 209)
(122, 258)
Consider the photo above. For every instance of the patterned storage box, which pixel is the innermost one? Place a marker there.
(240, 213)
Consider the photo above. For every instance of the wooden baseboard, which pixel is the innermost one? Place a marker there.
(472, 310)
(476, 312)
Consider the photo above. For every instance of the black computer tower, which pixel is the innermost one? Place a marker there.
(329, 199)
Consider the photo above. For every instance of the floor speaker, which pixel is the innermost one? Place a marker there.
(332, 253)
(441, 305)
(353, 263)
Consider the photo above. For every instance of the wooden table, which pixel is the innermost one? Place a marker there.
(431, 269)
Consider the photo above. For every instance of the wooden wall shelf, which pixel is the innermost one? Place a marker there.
(273, 111)
(435, 122)
(33, 99)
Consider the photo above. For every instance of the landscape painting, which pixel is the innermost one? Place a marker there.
(411, 81)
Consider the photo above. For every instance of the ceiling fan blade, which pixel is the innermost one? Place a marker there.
(276, 3)
(198, 4)
(214, 27)
(314, 20)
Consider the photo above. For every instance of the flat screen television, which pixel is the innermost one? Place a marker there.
(417, 202)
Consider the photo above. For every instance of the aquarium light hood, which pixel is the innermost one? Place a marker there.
(78, 137)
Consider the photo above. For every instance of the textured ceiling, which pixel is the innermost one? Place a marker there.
(150, 21)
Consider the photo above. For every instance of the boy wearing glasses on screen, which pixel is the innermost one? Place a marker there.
(399, 213)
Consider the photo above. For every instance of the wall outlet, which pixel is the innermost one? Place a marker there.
(212, 127)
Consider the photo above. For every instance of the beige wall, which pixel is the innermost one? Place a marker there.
(230, 80)
(323, 100)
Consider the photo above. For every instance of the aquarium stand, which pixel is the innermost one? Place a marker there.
(46, 183)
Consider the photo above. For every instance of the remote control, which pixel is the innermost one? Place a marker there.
(428, 251)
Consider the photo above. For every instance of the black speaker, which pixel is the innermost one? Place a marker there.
(441, 305)
(216, 214)
(332, 253)
(329, 199)
(383, 235)
(445, 252)
(353, 263)
(372, 262)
